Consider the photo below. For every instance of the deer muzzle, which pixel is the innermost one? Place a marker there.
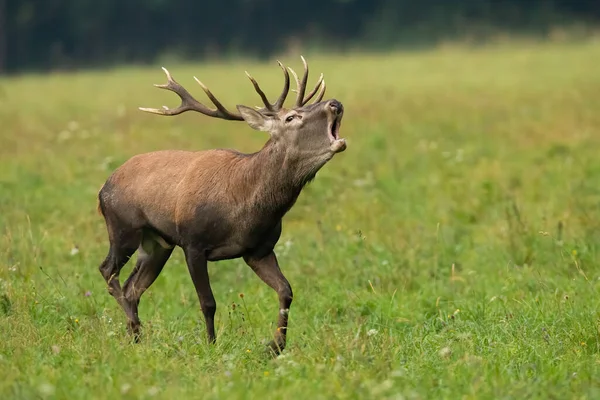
(336, 107)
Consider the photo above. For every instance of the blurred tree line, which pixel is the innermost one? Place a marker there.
(45, 34)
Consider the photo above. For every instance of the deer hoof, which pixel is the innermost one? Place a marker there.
(133, 329)
(275, 348)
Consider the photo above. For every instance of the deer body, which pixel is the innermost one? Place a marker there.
(225, 201)
(216, 204)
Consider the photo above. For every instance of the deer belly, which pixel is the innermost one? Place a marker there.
(225, 236)
(225, 252)
(242, 242)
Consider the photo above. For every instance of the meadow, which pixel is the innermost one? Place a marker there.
(452, 251)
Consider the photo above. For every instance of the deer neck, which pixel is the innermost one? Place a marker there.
(277, 176)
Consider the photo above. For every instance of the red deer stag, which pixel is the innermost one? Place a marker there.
(217, 204)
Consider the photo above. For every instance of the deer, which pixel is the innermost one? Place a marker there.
(217, 204)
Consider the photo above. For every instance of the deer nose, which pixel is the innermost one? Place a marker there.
(335, 106)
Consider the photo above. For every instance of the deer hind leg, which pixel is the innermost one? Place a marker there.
(122, 247)
(153, 254)
(124, 240)
(267, 269)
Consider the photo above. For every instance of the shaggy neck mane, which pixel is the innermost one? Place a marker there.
(275, 176)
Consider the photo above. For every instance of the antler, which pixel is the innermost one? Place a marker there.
(189, 103)
(281, 99)
(300, 99)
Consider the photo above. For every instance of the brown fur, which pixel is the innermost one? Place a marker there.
(215, 205)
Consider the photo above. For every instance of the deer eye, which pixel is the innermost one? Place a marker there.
(289, 118)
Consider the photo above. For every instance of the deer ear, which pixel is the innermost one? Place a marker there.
(255, 119)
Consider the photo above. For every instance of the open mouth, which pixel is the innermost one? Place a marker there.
(337, 144)
(334, 130)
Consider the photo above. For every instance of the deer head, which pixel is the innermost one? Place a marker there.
(310, 131)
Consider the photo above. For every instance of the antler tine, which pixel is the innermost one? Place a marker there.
(320, 86)
(281, 99)
(262, 95)
(321, 92)
(221, 111)
(302, 85)
(296, 78)
(173, 86)
(286, 87)
(189, 103)
(314, 91)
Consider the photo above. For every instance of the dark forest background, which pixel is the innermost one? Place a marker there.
(52, 34)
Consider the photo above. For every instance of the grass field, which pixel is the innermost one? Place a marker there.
(451, 252)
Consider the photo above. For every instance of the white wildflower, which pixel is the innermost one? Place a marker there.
(125, 388)
(46, 389)
(445, 352)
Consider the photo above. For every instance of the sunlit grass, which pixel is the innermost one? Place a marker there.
(450, 252)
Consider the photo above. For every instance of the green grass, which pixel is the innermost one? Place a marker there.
(451, 252)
